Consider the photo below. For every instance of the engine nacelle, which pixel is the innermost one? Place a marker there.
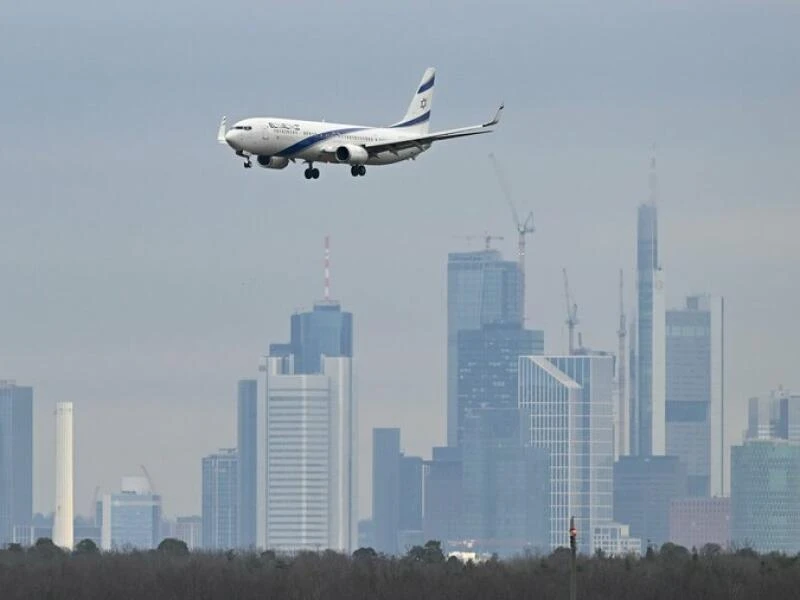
(354, 155)
(272, 162)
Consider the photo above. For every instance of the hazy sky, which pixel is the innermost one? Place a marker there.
(144, 270)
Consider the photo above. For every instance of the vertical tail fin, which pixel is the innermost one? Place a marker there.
(419, 111)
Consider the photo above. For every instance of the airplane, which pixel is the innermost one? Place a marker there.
(275, 142)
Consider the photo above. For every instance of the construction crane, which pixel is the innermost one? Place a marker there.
(486, 237)
(572, 313)
(523, 227)
(149, 479)
(622, 407)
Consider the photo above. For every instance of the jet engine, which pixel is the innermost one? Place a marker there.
(354, 155)
(272, 162)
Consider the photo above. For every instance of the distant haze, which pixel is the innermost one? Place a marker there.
(144, 270)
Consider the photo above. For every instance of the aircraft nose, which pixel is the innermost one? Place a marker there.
(231, 137)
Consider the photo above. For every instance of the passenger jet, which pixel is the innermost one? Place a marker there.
(274, 142)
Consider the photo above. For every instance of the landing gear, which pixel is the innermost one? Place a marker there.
(246, 157)
(311, 173)
(358, 170)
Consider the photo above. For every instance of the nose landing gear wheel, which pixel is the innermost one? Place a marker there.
(307, 173)
(315, 173)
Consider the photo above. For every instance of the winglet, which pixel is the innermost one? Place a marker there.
(497, 116)
(221, 132)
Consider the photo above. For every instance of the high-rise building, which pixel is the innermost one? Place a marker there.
(774, 416)
(246, 446)
(442, 476)
(614, 539)
(765, 495)
(482, 289)
(695, 522)
(648, 411)
(220, 500)
(16, 458)
(63, 525)
(396, 493)
(487, 364)
(506, 486)
(324, 331)
(644, 486)
(568, 410)
(190, 531)
(694, 393)
(307, 457)
(131, 518)
(385, 489)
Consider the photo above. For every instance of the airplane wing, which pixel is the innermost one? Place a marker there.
(429, 138)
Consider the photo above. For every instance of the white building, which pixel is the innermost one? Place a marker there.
(615, 540)
(307, 457)
(567, 403)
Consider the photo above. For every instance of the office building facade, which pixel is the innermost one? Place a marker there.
(482, 289)
(567, 404)
(648, 410)
(307, 457)
(695, 522)
(221, 500)
(385, 489)
(644, 487)
(765, 495)
(487, 366)
(246, 446)
(443, 500)
(327, 330)
(16, 458)
(695, 392)
(132, 518)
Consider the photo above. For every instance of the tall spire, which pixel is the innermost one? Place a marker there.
(653, 177)
(327, 295)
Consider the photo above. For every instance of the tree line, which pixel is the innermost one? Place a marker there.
(424, 573)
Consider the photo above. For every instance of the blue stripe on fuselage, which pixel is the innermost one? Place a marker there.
(427, 85)
(415, 121)
(306, 143)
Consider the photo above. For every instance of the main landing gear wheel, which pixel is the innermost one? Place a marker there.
(358, 170)
(311, 173)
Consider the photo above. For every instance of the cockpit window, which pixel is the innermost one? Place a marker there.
(243, 127)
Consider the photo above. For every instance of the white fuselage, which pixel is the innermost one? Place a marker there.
(303, 140)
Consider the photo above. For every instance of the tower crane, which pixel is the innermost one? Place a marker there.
(523, 227)
(486, 237)
(572, 313)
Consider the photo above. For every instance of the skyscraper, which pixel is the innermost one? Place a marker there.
(385, 489)
(220, 500)
(324, 331)
(694, 392)
(16, 458)
(567, 404)
(774, 416)
(63, 526)
(648, 414)
(482, 289)
(487, 363)
(307, 457)
(247, 444)
(443, 478)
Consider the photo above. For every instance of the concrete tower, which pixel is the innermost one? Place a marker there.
(63, 533)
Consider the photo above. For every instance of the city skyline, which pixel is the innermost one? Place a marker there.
(144, 299)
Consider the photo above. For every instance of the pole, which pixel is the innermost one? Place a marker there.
(573, 568)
